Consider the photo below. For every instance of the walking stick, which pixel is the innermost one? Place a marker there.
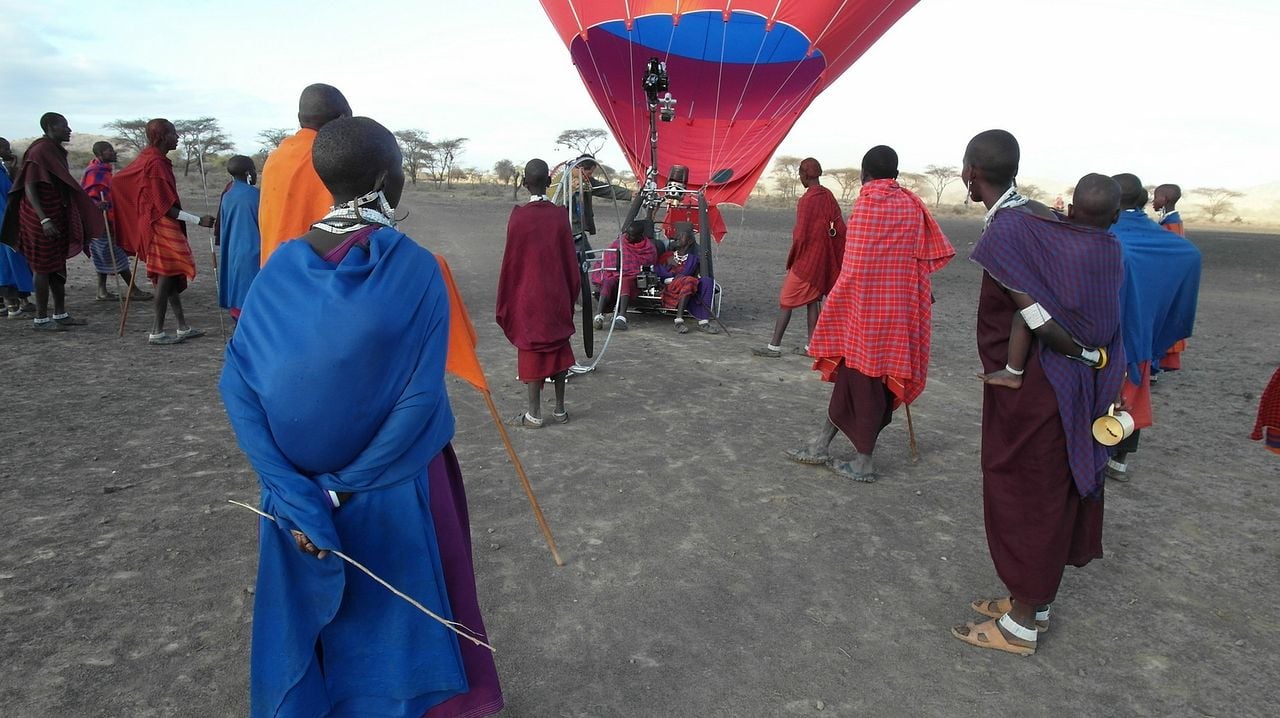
(911, 436)
(111, 251)
(458, 628)
(524, 479)
(133, 277)
(217, 283)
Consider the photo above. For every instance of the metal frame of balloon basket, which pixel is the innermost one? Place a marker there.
(649, 197)
(649, 298)
(563, 191)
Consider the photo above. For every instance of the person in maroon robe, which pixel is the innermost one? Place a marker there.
(1041, 470)
(817, 250)
(49, 219)
(537, 286)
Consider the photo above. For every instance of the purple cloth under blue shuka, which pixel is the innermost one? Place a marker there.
(1075, 273)
(348, 395)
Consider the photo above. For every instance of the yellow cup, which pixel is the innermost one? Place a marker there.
(1113, 428)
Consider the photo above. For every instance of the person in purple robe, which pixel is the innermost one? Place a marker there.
(1042, 473)
(684, 289)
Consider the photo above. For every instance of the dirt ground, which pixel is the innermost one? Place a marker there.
(707, 575)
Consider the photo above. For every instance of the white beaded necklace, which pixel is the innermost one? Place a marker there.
(351, 216)
(1010, 198)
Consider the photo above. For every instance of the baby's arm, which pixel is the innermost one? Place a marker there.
(1051, 334)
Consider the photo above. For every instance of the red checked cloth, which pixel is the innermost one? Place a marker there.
(1268, 425)
(815, 254)
(878, 316)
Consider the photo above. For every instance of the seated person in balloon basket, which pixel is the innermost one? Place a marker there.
(1096, 203)
(624, 259)
(684, 290)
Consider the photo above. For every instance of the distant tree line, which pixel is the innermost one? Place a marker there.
(200, 141)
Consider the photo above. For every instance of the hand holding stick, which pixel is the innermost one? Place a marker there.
(454, 626)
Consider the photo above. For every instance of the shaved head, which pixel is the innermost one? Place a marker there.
(1166, 196)
(810, 171)
(880, 162)
(1132, 194)
(354, 156)
(162, 135)
(240, 166)
(321, 104)
(48, 119)
(537, 176)
(996, 154)
(1096, 201)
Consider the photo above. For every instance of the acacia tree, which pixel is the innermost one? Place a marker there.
(786, 175)
(1217, 200)
(447, 152)
(199, 140)
(129, 132)
(914, 181)
(938, 178)
(586, 141)
(504, 170)
(848, 178)
(414, 149)
(1031, 192)
(272, 137)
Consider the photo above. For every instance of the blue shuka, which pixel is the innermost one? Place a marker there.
(1075, 273)
(239, 243)
(15, 273)
(334, 380)
(1161, 288)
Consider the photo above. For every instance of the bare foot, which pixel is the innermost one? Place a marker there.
(808, 455)
(1002, 377)
(860, 469)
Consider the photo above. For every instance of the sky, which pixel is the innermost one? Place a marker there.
(1174, 91)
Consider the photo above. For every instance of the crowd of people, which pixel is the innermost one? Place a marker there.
(1076, 311)
(1079, 311)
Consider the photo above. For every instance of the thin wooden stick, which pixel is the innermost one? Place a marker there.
(217, 280)
(524, 479)
(111, 250)
(454, 626)
(133, 277)
(911, 436)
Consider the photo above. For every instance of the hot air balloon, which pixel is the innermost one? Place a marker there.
(741, 72)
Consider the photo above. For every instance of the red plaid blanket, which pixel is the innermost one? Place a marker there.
(878, 316)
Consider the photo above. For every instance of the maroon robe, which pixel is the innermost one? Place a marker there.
(1036, 521)
(817, 240)
(537, 286)
(64, 202)
(861, 407)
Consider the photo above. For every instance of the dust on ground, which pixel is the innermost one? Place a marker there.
(707, 575)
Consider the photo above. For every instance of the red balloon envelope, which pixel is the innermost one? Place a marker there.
(741, 71)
